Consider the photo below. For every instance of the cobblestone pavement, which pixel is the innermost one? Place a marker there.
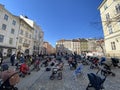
(40, 80)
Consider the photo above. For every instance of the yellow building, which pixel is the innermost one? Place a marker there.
(83, 45)
(110, 16)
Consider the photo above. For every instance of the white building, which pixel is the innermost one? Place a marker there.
(110, 17)
(37, 36)
(25, 39)
(19, 34)
(68, 46)
(9, 26)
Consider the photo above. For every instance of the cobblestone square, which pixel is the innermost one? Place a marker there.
(40, 80)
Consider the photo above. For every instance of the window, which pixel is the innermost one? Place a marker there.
(110, 29)
(6, 17)
(4, 27)
(20, 40)
(30, 36)
(12, 31)
(26, 34)
(1, 38)
(14, 22)
(113, 46)
(117, 8)
(21, 32)
(11, 41)
(107, 17)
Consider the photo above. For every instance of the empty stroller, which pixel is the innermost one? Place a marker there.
(36, 65)
(24, 70)
(72, 63)
(57, 70)
(4, 67)
(9, 79)
(95, 82)
(78, 70)
(106, 70)
(94, 62)
(115, 62)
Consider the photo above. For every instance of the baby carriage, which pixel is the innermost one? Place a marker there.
(9, 79)
(106, 70)
(72, 63)
(57, 70)
(94, 62)
(78, 70)
(103, 59)
(95, 82)
(36, 65)
(24, 70)
(115, 62)
(4, 67)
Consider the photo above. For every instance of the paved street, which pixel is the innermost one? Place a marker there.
(40, 80)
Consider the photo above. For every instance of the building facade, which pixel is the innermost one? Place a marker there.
(68, 46)
(9, 27)
(110, 16)
(19, 34)
(48, 48)
(25, 37)
(34, 35)
(81, 46)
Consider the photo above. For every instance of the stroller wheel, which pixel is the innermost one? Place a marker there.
(29, 73)
(59, 76)
(52, 77)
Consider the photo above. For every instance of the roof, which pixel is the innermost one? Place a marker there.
(28, 21)
(102, 4)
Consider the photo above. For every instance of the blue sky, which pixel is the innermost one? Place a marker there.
(60, 19)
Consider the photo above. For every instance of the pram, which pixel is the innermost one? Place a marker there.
(4, 67)
(24, 70)
(36, 65)
(94, 62)
(103, 59)
(57, 70)
(95, 82)
(115, 62)
(9, 79)
(106, 70)
(78, 70)
(72, 63)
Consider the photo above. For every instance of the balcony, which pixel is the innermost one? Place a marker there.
(26, 45)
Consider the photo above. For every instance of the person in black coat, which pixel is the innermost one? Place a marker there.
(12, 59)
(1, 58)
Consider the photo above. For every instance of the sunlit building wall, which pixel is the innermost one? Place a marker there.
(9, 27)
(110, 17)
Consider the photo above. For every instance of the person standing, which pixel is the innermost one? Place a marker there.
(1, 58)
(12, 59)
